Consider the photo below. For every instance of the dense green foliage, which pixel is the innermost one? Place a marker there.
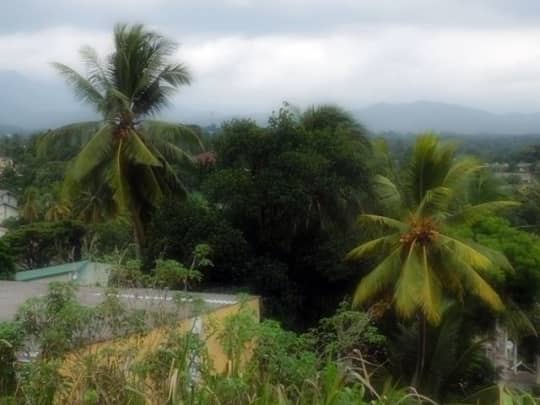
(177, 228)
(43, 243)
(292, 189)
(522, 250)
(7, 265)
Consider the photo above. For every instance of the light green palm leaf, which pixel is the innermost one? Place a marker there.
(384, 275)
(97, 150)
(376, 246)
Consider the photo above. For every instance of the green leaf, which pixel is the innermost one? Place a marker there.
(98, 149)
(383, 222)
(375, 246)
(472, 214)
(83, 87)
(381, 277)
(409, 286)
(138, 152)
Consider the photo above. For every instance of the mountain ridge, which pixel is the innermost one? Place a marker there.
(420, 116)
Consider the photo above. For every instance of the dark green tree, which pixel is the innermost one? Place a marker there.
(41, 244)
(293, 189)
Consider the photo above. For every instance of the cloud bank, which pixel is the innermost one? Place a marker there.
(248, 56)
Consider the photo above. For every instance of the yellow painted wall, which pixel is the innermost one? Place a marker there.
(215, 350)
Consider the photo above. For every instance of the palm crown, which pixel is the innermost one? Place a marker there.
(422, 263)
(127, 157)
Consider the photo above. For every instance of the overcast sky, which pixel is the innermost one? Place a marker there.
(249, 55)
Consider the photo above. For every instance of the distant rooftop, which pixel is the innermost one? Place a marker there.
(46, 272)
(15, 293)
(84, 273)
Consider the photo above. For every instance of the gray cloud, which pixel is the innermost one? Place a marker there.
(248, 55)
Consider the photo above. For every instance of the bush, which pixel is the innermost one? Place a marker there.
(43, 243)
(10, 340)
(178, 228)
(7, 266)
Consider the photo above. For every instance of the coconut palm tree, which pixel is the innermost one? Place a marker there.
(30, 207)
(56, 206)
(126, 156)
(58, 209)
(422, 263)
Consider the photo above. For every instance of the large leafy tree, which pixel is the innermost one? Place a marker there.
(127, 157)
(422, 263)
(293, 189)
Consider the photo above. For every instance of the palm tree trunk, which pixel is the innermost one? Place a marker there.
(421, 353)
(138, 232)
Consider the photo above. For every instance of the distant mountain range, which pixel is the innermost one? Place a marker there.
(28, 104)
(446, 118)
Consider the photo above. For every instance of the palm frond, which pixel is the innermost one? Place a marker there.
(179, 135)
(380, 278)
(375, 246)
(516, 321)
(460, 171)
(97, 75)
(119, 181)
(409, 286)
(99, 148)
(387, 193)
(435, 200)
(138, 152)
(149, 186)
(430, 298)
(428, 166)
(479, 287)
(472, 214)
(463, 252)
(498, 259)
(76, 135)
(383, 222)
(83, 88)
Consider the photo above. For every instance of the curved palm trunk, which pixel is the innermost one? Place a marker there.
(421, 353)
(138, 232)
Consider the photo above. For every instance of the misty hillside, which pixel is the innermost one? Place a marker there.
(35, 104)
(440, 117)
(10, 130)
(39, 104)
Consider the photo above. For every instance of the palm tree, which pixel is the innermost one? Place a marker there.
(30, 208)
(58, 210)
(57, 207)
(423, 264)
(127, 157)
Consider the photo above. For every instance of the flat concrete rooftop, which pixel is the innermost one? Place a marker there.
(15, 293)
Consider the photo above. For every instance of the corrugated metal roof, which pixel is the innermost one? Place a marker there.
(50, 271)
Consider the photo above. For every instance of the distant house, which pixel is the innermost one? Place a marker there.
(524, 167)
(8, 205)
(8, 208)
(5, 163)
(499, 167)
(517, 177)
(84, 273)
